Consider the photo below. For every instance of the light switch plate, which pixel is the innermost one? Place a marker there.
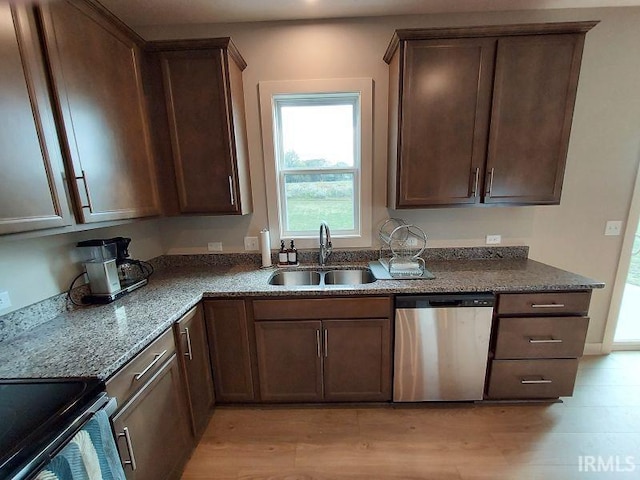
(613, 228)
(214, 246)
(5, 300)
(251, 244)
(494, 239)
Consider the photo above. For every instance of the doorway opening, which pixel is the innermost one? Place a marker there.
(627, 334)
(622, 331)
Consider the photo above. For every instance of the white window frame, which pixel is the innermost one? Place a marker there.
(277, 91)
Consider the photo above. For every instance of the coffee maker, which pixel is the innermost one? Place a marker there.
(112, 274)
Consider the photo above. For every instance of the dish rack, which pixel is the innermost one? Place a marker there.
(401, 248)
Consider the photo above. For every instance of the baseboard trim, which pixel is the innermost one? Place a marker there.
(593, 349)
(625, 346)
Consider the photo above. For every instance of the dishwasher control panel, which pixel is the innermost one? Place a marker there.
(446, 300)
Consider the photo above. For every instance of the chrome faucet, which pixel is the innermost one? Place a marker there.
(325, 243)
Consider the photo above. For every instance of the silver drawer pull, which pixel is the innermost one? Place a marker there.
(475, 182)
(326, 343)
(318, 343)
(189, 353)
(156, 359)
(545, 340)
(490, 189)
(132, 458)
(539, 381)
(547, 305)
(89, 205)
(231, 195)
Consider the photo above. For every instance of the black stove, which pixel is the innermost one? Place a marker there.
(34, 413)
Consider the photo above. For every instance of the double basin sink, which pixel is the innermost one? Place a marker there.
(301, 278)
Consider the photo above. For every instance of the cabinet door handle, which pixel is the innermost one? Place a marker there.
(156, 359)
(326, 343)
(189, 353)
(539, 381)
(231, 195)
(545, 340)
(547, 305)
(83, 177)
(132, 458)
(318, 342)
(475, 182)
(490, 188)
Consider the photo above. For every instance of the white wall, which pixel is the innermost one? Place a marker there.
(37, 268)
(603, 156)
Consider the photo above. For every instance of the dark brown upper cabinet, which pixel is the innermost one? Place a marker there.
(32, 195)
(95, 70)
(199, 109)
(481, 115)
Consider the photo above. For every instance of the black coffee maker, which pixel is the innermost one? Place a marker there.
(130, 271)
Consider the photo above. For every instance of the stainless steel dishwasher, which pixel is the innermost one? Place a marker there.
(441, 347)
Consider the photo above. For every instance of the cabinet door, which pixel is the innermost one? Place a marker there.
(31, 171)
(444, 115)
(194, 353)
(534, 93)
(153, 432)
(199, 107)
(96, 78)
(357, 360)
(289, 361)
(229, 350)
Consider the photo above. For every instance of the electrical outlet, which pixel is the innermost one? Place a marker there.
(251, 244)
(214, 246)
(613, 228)
(494, 239)
(5, 301)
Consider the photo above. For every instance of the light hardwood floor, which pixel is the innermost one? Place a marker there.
(463, 442)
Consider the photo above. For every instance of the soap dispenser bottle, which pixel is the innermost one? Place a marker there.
(282, 254)
(292, 254)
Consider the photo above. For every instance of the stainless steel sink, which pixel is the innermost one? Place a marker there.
(305, 278)
(295, 278)
(349, 277)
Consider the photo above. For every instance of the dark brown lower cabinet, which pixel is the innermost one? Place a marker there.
(329, 360)
(289, 361)
(153, 431)
(546, 378)
(229, 350)
(191, 339)
(357, 360)
(538, 340)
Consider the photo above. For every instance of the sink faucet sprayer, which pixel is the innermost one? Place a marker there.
(325, 243)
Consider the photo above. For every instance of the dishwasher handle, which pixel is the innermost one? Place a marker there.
(445, 303)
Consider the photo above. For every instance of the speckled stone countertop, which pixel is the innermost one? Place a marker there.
(97, 341)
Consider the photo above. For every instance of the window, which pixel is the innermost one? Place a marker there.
(317, 164)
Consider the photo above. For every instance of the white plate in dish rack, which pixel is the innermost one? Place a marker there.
(382, 273)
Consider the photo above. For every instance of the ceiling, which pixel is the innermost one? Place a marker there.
(140, 13)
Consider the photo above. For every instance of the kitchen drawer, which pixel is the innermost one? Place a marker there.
(541, 337)
(134, 374)
(322, 308)
(563, 303)
(513, 379)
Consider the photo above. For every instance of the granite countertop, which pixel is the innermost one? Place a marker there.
(97, 341)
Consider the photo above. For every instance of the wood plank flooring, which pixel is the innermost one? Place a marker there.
(461, 442)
